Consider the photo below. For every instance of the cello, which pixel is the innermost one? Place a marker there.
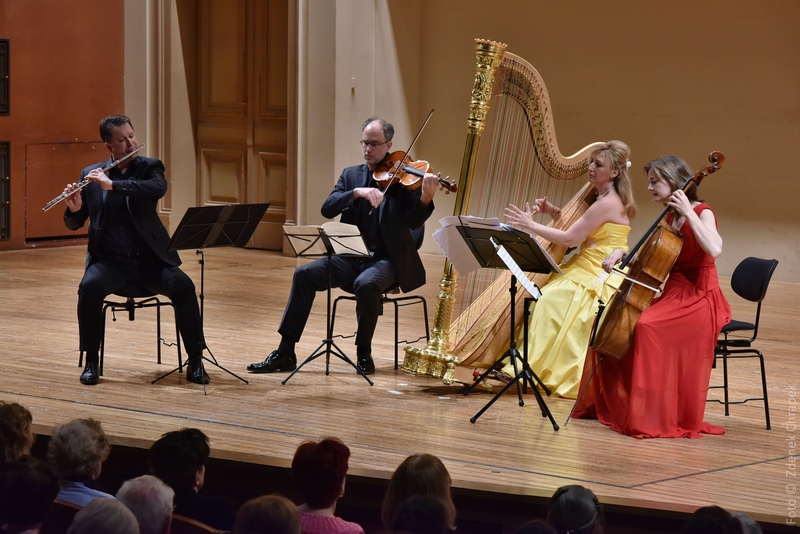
(656, 253)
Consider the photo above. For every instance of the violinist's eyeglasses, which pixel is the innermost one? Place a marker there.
(372, 144)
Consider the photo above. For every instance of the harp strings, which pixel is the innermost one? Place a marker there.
(510, 171)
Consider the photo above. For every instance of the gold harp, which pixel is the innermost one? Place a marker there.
(522, 162)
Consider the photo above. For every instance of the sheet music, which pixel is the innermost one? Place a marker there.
(345, 239)
(523, 279)
(457, 249)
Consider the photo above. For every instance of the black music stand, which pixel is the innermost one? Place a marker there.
(315, 242)
(522, 253)
(214, 226)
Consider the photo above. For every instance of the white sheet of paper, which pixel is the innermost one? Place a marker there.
(523, 279)
(456, 249)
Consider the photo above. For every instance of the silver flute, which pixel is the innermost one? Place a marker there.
(84, 182)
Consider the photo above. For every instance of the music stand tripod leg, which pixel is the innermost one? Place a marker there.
(525, 374)
(512, 351)
(213, 359)
(330, 346)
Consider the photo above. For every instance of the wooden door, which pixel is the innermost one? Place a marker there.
(242, 108)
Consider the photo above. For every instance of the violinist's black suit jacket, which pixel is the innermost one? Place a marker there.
(399, 213)
(396, 259)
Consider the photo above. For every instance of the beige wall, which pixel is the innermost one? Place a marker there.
(680, 77)
(676, 76)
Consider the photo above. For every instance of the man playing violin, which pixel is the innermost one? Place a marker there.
(128, 245)
(386, 219)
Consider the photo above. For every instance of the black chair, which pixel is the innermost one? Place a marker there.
(417, 235)
(136, 297)
(750, 280)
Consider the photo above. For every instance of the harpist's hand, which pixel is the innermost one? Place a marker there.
(519, 218)
(541, 205)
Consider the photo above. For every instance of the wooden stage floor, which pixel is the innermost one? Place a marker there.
(511, 450)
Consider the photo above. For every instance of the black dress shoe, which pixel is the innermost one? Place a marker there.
(90, 375)
(274, 362)
(196, 374)
(365, 364)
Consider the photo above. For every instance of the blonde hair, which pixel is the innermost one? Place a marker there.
(617, 155)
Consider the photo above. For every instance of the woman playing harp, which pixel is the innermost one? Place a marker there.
(561, 322)
(521, 160)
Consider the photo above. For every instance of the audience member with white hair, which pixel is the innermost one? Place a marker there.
(108, 516)
(76, 453)
(150, 500)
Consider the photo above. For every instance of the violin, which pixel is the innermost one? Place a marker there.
(399, 168)
(656, 253)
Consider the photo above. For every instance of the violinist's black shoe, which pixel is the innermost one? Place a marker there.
(195, 372)
(274, 362)
(91, 374)
(364, 362)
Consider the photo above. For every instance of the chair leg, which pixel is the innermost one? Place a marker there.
(103, 336)
(764, 388)
(333, 314)
(396, 335)
(158, 330)
(725, 382)
(425, 313)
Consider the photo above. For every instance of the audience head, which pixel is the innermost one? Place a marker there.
(319, 471)
(16, 435)
(150, 500)
(78, 449)
(268, 514)
(575, 509)
(749, 525)
(419, 474)
(108, 516)
(27, 488)
(712, 520)
(616, 156)
(179, 459)
(674, 171)
(537, 526)
(420, 515)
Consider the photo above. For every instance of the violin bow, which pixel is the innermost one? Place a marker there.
(419, 133)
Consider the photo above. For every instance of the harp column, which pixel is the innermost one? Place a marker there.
(435, 359)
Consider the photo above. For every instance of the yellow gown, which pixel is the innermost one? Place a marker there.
(561, 321)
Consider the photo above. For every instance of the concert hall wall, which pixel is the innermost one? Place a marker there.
(66, 72)
(681, 77)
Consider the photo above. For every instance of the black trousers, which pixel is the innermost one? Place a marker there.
(367, 278)
(104, 277)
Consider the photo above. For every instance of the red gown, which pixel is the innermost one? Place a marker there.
(659, 389)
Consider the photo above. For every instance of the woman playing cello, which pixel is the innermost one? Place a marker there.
(659, 388)
(562, 318)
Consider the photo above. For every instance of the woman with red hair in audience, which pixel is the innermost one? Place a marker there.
(319, 470)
